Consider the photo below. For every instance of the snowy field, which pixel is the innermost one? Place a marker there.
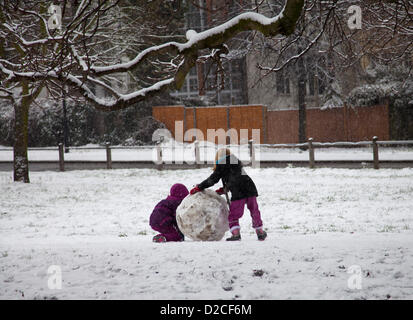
(323, 227)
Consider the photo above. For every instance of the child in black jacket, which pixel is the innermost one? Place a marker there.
(243, 190)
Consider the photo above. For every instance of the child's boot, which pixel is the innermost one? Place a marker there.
(236, 235)
(159, 238)
(261, 234)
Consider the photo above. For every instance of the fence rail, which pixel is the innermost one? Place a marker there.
(160, 161)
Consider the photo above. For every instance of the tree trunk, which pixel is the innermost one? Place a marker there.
(21, 128)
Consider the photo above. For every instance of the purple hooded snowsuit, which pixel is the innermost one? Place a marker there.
(163, 215)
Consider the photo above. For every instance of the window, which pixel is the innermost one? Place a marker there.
(198, 19)
(311, 83)
(287, 85)
(193, 84)
(316, 84)
(282, 82)
(321, 83)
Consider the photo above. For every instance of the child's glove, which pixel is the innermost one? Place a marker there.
(195, 190)
(220, 191)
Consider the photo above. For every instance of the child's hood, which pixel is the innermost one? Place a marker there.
(179, 191)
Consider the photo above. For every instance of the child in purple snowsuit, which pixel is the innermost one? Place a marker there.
(163, 215)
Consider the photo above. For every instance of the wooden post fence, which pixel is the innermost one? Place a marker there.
(61, 157)
(159, 161)
(376, 153)
(252, 153)
(311, 153)
(197, 155)
(108, 156)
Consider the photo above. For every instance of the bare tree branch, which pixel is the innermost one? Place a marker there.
(82, 70)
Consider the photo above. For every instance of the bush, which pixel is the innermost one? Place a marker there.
(132, 126)
(6, 124)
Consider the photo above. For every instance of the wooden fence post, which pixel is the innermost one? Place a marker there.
(252, 152)
(108, 156)
(376, 153)
(197, 155)
(159, 161)
(61, 157)
(228, 136)
(311, 153)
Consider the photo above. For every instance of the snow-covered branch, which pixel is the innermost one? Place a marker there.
(74, 56)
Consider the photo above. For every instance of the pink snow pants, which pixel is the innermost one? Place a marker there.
(236, 211)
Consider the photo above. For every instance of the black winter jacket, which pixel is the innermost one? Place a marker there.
(230, 170)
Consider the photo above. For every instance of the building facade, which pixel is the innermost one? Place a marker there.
(205, 82)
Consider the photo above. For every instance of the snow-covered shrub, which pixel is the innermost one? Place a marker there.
(333, 97)
(46, 125)
(126, 129)
(384, 83)
(143, 133)
(132, 126)
(392, 84)
(372, 94)
(6, 123)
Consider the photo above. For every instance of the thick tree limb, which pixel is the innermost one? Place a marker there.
(84, 71)
(213, 38)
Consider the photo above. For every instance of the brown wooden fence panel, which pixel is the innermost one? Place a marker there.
(367, 122)
(247, 117)
(325, 125)
(168, 115)
(330, 125)
(282, 126)
(212, 118)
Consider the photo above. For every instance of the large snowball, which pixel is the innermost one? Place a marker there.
(203, 216)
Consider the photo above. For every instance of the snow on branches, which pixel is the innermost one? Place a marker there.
(74, 54)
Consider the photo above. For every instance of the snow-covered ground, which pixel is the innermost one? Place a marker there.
(324, 225)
